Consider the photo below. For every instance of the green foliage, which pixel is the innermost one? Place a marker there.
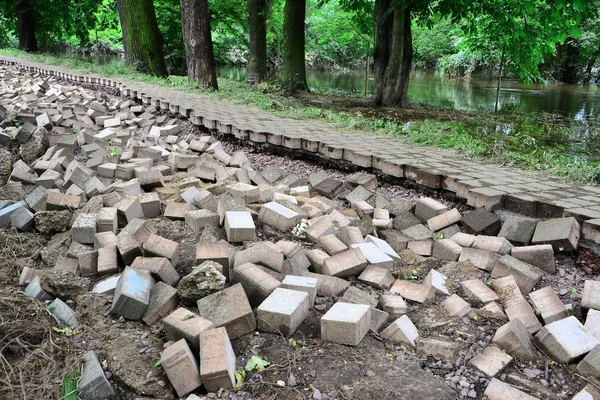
(68, 389)
(433, 41)
(256, 363)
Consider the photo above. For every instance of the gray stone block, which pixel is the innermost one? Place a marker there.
(163, 300)
(283, 311)
(132, 294)
(257, 284)
(346, 323)
(526, 275)
(566, 340)
(93, 383)
(518, 230)
(63, 313)
(481, 222)
(84, 228)
(562, 233)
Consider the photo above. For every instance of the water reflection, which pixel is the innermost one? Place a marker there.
(578, 102)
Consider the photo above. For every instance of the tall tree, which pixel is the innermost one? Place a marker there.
(26, 26)
(257, 31)
(142, 40)
(195, 22)
(294, 66)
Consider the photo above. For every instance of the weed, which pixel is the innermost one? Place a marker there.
(113, 152)
(68, 389)
(438, 236)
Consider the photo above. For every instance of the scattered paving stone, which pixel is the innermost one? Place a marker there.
(217, 360)
(455, 306)
(395, 306)
(357, 296)
(283, 311)
(184, 324)
(492, 361)
(514, 338)
(257, 284)
(526, 275)
(446, 249)
(260, 254)
(493, 244)
(565, 340)
(548, 305)
(498, 390)
(481, 222)
(413, 291)
(444, 220)
(482, 259)
(63, 313)
(562, 233)
(428, 208)
(521, 310)
(132, 294)
(378, 277)
(345, 323)
(93, 383)
(348, 263)
(590, 365)
(302, 284)
(402, 331)
(181, 367)
(518, 230)
(476, 290)
(541, 256)
(163, 300)
(440, 349)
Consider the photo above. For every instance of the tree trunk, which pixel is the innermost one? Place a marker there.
(569, 67)
(294, 67)
(195, 21)
(26, 26)
(392, 69)
(257, 29)
(142, 40)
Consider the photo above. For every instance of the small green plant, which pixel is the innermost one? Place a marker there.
(414, 274)
(475, 318)
(438, 236)
(112, 152)
(574, 291)
(256, 363)
(292, 342)
(300, 229)
(66, 330)
(16, 122)
(240, 378)
(50, 308)
(489, 283)
(157, 364)
(68, 389)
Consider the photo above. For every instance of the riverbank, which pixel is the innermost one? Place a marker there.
(539, 142)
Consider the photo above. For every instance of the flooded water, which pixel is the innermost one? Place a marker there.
(573, 101)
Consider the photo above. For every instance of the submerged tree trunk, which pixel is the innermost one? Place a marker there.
(195, 21)
(257, 29)
(294, 66)
(142, 40)
(393, 71)
(26, 26)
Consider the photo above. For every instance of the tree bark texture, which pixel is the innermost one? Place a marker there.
(393, 54)
(26, 26)
(142, 40)
(195, 22)
(257, 29)
(294, 66)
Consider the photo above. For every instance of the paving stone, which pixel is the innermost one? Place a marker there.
(22, 219)
(589, 392)
(181, 367)
(428, 208)
(482, 259)
(402, 331)
(261, 254)
(492, 361)
(283, 311)
(541, 256)
(383, 246)
(518, 230)
(413, 291)
(548, 305)
(107, 260)
(239, 226)
(332, 245)
(93, 383)
(34, 290)
(345, 323)
(278, 216)
(418, 232)
(132, 294)
(321, 227)
(184, 324)
(22, 173)
(477, 291)
(328, 286)
(494, 244)
(61, 311)
(199, 219)
(590, 365)
(84, 228)
(230, 309)
(358, 194)
(498, 390)
(520, 309)
(177, 211)
(217, 360)
(439, 349)
(394, 305)
(378, 277)
(421, 247)
(27, 275)
(446, 249)
(455, 306)
(36, 200)
(363, 179)
(157, 246)
(436, 281)
(128, 209)
(444, 220)
(374, 255)
(257, 284)
(163, 300)
(562, 233)
(405, 220)
(302, 284)
(507, 289)
(526, 275)
(249, 193)
(160, 268)
(591, 295)
(492, 311)
(106, 220)
(139, 229)
(218, 252)
(565, 340)
(357, 296)
(348, 263)
(328, 187)
(481, 222)
(514, 338)
(88, 263)
(350, 235)
(463, 239)
(400, 206)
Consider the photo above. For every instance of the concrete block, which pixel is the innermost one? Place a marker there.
(383, 246)
(93, 383)
(514, 338)
(22, 219)
(160, 268)
(446, 249)
(84, 228)
(63, 313)
(257, 284)
(283, 311)
(184, 324)
(34, 290)
(181, 367)
(345, 323)
(262, 254)
(395, 306)
(507, 289)
(88, 263)
(59, 201)
(230, 309)
(562, 233)
(249, 193)
(163, 300)
(129, 248)
(591, 295)
(332, 245)
(492, 311)
(413, 291)
(357, 296)
(348, 263)
(139, 229)
(481, 222)
(491, 361)
(106, 220)
(590, 365)
(402, 331)
(463, 239)
(455, 306)
(436, 281)
(239, 226)
(302, 284)
(374, 255)
(132, 294)
(421, 247)
(278, 216)
(526, 275)
(444, 220)
(321, 227)
(520, 309)
(565, 340)
(548, 305)
(418, 232)
(107, 261)
(493, 244)
(36, 200)
(199, 219)
(498, 390)
(477, 291)
(350, 235)
(27, 275)
(518, 230)
(157, 246)
(70, 265)
(177, 211)
(328, 286)
(482, 259)
(428, 208)
(589, 392)
(128, 209)
(541, 256)
(150, 203)
(316, 257)
(378, 277)
(217, 360)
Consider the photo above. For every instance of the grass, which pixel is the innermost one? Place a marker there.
(537, 142)
(69, 387)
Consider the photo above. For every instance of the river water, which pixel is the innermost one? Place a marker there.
(572, 101)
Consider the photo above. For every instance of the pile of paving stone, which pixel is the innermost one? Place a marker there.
(118, 166)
